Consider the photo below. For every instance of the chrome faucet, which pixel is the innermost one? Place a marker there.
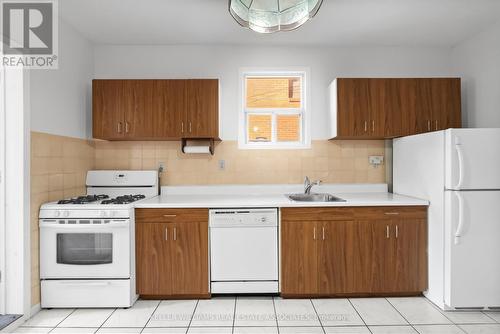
(308, 185)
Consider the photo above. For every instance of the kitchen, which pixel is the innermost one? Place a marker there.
(226, 123)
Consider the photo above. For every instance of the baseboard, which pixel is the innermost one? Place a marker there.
(34, 310)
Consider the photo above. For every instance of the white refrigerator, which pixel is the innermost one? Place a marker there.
(458, 171)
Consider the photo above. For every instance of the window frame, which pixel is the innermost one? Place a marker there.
(303, 111)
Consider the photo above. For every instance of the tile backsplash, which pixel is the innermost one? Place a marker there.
(330, 161)
(58, 169)
(59, 166)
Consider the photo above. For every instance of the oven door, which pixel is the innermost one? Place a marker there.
(85, 248)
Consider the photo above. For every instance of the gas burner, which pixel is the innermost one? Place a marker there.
(126, 199)
(83, 199)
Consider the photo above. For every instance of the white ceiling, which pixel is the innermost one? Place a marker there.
(338, 23)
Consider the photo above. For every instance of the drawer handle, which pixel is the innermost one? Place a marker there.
(392, 213)
(169, 216)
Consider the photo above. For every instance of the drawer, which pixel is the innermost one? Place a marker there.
(391, 212)
(170, 215)
(317, 214)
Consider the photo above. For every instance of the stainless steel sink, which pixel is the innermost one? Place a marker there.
(315, 198)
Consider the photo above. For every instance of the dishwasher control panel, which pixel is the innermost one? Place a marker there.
(244, 217)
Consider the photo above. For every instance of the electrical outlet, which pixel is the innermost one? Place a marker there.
(375, 160)
(162, 167)
(222, 164)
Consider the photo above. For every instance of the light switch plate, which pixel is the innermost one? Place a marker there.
(222, 164)
(376, 160)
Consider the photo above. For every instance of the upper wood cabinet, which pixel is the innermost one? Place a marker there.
(375, 108)
(353, 251)
(172, 252)
(155, 109)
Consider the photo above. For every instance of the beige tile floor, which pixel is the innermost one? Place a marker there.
(268, 315)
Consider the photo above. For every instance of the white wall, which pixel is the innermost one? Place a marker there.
(477, 61)
(224, 62)
(61, 99)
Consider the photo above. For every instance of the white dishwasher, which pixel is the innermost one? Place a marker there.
(244, 250)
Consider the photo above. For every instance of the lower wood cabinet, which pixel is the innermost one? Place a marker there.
(353, 251)
(172, 252)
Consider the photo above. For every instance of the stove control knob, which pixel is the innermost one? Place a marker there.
(66, 214)
(263, 219)
(57, 213)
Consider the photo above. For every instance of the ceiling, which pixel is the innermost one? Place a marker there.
(338, 23)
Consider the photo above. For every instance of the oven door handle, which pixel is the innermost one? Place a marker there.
(113, 224)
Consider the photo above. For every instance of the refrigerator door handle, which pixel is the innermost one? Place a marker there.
(460, 156)
(460, 227)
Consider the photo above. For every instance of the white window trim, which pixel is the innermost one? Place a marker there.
(305, 142)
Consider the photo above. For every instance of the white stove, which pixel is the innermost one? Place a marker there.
(87, 258)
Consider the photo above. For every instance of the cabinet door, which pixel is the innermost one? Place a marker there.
(299, 257)
(190, 258)
(336, 268)
(394, 102)
(202, 98)
(139, 115)
(373, 256)
(152, 254)
(424, 105)
(169, 108)
(446, 99)
(410, 265)
(109, 102)
(345, 108)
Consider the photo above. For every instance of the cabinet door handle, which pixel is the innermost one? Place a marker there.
(182, 127)
(387, 232)
(397, 231)
(436, 124)
(166, 233)
(119, 127)
(366, 126)
(314, 233)
(392, 213)
(126, 127)
(428, 125)
(169, 216)
(323, 233)
(175, 233)
(373, 126)
(190, 127)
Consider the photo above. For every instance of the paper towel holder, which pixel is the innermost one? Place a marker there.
(211, 143)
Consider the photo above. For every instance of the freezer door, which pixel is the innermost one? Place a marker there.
(472, 159)
(472, 246)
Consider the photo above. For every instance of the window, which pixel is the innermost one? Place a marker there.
(273, 110)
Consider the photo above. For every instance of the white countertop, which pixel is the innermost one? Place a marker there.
(274, 196)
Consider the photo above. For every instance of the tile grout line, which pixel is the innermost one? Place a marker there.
(486, 314)
(276, 315)
(109, 316)
(443, 313)
(319, 319)
(192, 315)
(60, 322)
(234, 314)
(359, 315)
(394, 307)
(149, 319)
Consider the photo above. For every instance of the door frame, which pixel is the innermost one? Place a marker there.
(17, 185)
(2, 191)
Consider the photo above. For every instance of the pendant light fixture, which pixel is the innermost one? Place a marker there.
(266, 16)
